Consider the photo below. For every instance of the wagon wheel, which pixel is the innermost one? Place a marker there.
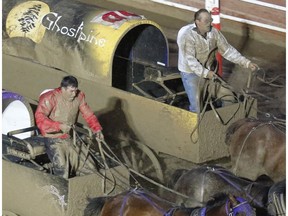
(142, 159)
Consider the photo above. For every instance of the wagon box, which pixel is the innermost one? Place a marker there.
(29, 192)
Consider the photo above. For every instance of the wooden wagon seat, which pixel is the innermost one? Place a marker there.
(34, 144)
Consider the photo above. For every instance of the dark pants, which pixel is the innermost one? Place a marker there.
(67, 159)
(63, 156)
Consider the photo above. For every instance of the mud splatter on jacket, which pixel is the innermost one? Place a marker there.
(53, 110)
(194, 50)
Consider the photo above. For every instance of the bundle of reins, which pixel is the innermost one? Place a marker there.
(109, 154)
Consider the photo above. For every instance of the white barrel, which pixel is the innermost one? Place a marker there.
(16, 114)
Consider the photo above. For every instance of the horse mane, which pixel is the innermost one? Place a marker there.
(218, 199)
(95, 206)
(156, 199)
(235, 126)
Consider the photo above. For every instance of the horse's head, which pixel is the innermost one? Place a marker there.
(237, 206)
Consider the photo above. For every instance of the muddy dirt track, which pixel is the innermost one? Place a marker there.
(268, 87)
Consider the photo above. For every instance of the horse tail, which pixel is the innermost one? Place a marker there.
(234, 127)
(95, 206)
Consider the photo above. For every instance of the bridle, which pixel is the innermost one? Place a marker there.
(243, 206)
(205, 98)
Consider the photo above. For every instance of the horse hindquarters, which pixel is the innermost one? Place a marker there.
(257, 148)
(275, 162)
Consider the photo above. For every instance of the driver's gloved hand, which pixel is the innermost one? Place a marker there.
(99, 135)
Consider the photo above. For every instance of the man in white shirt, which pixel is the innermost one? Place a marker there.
(197, 43)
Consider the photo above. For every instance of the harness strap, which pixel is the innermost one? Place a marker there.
(243, 206)
(209, 101)
(118, 161)
(170, 212)
(124, 202)
(75, 144)
(228, 209)
(200, 113)
(106, 167)
(99, 142)
(219, 117)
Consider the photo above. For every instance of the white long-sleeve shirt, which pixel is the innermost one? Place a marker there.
(194, 50)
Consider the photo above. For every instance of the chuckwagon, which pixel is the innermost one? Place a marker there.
(121, 61)
(28, 179)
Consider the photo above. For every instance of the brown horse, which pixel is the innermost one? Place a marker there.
(257, 147)
(139, 203)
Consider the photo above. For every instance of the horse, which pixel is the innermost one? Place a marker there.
(143, 203)
(205, 181)
(257, 147)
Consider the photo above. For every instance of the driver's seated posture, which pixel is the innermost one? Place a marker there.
(57, 111)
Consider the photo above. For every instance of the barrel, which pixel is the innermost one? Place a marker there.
(16, 114)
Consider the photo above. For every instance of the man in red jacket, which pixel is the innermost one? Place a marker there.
(56, 113)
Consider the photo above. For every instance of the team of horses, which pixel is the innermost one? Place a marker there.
(255, 184)
(142, 203)
(203, 182)
(210, 189)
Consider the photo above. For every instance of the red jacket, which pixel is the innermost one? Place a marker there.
(53, 110)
